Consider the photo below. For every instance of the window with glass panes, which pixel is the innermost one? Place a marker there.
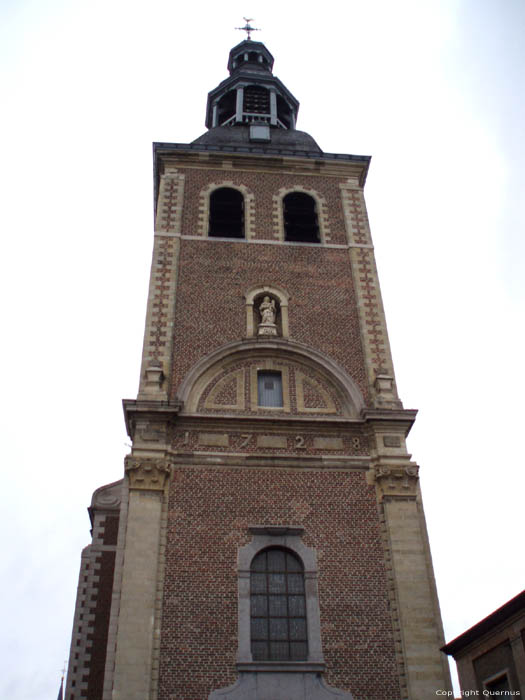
(270, 389)
(278, 607)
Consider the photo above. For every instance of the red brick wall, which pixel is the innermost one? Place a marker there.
(263, 185)
(209, 513)
(214, 276)
(210, 304)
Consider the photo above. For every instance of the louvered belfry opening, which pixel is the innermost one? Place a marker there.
(226, 107)
(256, 100)
(226, 213)
(300, 218)
(284, 112)
(278, 607)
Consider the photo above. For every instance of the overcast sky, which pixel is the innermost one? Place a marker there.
(432, 89)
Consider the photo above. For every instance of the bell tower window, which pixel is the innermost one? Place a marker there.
(300, 218)
(226, 213)
(278, 607)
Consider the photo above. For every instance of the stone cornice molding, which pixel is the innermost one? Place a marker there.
(147, 474)
(198, 155)
(134, 409)
(384, 418)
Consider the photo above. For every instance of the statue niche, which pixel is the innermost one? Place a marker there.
(267, 316)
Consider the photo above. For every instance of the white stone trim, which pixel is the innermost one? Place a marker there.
(204, 209)
(288, 537)
(321, 210)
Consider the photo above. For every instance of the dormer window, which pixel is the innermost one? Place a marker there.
(226, 213)
(300, 218)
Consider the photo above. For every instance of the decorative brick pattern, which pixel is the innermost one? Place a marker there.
(161, 307)
(210, 310)
(303, 383)
(170, 202)
(374, 333)
(90, 627)
(356, 217)
(209, 513)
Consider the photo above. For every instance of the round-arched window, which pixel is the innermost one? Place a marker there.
(278, 607)
(226, 213)
(300, 218)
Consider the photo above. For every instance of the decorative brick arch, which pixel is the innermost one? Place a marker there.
(281, 294)
(321, 206)
(204, 207)
(203, 372)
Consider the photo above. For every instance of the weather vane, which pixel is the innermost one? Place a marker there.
(248, 27)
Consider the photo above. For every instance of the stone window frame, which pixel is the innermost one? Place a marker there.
(504, 672)
(281, 295)
(204, 210)
(288, 537)
(322, 214)
(271, 365)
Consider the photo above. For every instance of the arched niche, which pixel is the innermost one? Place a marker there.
(218, 382)
(254, 296)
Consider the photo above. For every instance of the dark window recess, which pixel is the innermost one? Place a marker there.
(499, 685)
(270, 389)
(278, 607)
(256, 100)
(300, 218)
(226, 107)
(226, 213)
(283, 112)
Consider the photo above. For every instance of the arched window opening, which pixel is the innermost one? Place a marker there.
(300, 218)
(284, 112)
(226, 107)
(278, 607)
(226, 213)
(253, 56)
(256, 100)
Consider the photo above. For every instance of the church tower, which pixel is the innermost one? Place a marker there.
(267, 541)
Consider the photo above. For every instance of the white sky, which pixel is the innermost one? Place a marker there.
(432, 89)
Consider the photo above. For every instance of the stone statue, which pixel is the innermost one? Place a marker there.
(268, 312)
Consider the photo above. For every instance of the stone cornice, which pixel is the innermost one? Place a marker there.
(386, 418)
(247, 461)
(257, 158)
(160, 410)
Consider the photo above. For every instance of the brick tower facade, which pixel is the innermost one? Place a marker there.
(267, 541)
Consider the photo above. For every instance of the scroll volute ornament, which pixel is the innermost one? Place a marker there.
(397, 482)
(147, 474)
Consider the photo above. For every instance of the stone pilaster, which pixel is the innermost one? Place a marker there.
(158, 336)
(148, 478)
(413, 599)
(378, 359)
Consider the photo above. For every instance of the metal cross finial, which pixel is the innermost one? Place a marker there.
(247, 27)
